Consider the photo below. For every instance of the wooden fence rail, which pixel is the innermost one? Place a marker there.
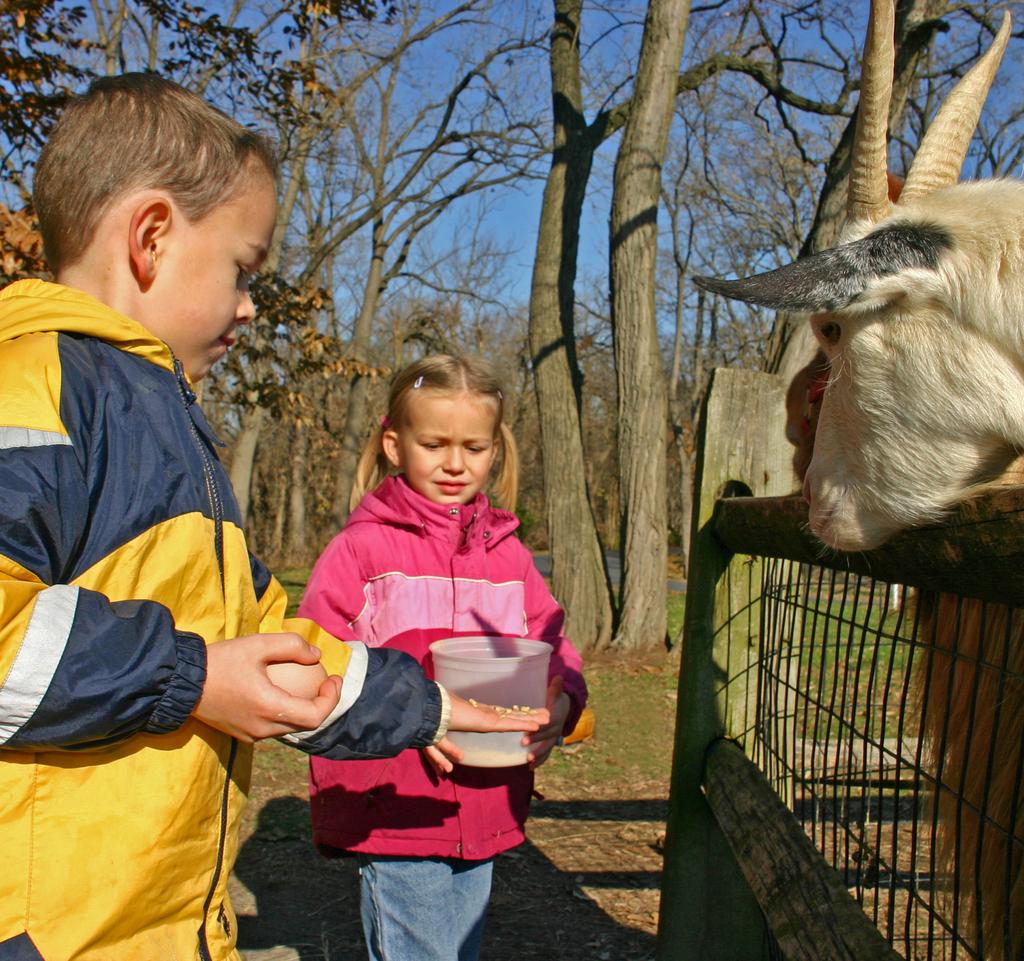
(806, 905)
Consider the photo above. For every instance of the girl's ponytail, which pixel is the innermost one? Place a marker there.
(506, 484)
(372, 468)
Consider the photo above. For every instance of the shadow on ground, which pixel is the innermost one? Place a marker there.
(583, 889)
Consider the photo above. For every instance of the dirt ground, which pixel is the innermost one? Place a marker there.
(583, 888)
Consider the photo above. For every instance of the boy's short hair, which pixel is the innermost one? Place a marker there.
(134, 132)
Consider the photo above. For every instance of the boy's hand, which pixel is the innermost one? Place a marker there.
(544, 740)
(486, 719)
(240, 699)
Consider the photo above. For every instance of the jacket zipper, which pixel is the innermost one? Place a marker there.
(188, 398)
(204, 944)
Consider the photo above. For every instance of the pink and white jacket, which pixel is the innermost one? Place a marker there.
(403, 573)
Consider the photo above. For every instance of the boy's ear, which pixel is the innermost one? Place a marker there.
(389, 442)
(146, 233)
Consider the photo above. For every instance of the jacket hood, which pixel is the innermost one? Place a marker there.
(395, 502)
(37, 306)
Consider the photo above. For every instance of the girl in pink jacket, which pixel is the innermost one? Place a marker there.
(425, 556)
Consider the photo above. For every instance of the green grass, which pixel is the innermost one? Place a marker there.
(676, 614)
(838, 624)
(293, 580)
(849, 654)
(635, 708)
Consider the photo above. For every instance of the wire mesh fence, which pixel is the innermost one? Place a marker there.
(890, 722)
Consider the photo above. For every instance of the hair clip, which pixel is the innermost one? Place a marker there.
(419, 383)
(384, 422)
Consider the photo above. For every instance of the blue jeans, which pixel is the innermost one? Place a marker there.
(423, 909)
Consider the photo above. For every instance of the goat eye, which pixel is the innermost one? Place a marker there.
(831, 332)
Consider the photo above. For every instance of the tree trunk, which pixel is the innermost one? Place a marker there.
(244, 455)
(352, 437)
(280, 516)
(298, 549)
(353, 434)
(642, 402)
(579, 575)
(675, 407)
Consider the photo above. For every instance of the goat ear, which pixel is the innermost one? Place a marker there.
(836, 278)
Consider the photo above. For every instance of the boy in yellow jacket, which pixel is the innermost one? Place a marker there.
(138, 636)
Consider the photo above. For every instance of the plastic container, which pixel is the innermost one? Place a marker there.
(503, 671)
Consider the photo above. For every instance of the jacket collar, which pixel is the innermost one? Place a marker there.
(395, 502)
(34, 306)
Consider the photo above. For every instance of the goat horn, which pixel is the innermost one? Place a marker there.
(867, 194)
(944, 145)
(833, 279)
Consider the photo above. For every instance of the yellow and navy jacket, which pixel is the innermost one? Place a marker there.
(121, 558)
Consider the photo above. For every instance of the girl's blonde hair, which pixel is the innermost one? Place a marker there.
(441, 374)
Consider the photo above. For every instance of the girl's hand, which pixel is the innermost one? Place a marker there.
(544, 740)
(442, 756)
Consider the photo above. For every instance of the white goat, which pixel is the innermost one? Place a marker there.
(919, 311)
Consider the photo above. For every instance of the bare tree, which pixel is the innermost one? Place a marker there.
(579, 574)
(641, 379)
(417, 154)
(732, 186)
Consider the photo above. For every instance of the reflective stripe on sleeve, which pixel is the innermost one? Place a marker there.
(352, 683)
(12, 437)
(351, 688)
(36, 662)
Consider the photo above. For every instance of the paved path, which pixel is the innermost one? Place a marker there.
(614, 561)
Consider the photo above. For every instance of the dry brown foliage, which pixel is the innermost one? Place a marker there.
(21, 246)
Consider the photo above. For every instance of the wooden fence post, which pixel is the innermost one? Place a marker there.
(708, 912)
